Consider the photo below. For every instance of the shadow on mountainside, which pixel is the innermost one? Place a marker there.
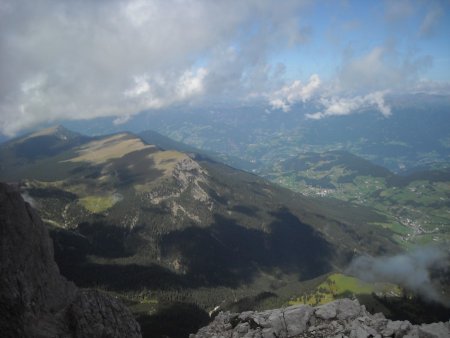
(227, 253)
(223, 254)
(175, 320)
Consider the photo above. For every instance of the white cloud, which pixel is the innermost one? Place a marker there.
(121, 119)
(340, 106)
(377, 99)
(338, 101)
(381, 68)
(140, 87)
(164, 89)
(288, 95)
(191, 84)
(363, 80)
(411, 270)
(84, 59)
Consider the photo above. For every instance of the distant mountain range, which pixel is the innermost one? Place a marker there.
(414, 137)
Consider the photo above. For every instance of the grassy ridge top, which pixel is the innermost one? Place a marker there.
(106, 149)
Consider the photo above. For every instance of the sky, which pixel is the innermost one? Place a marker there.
(85, 59)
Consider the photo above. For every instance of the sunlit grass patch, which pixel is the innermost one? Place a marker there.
(106, 149)
(338, 286)
(97, 204)
(394, 226)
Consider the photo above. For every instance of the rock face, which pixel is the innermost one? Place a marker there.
(339, 319)
(35, 300)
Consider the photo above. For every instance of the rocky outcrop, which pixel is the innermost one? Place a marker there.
(339, 319)
(35, 300)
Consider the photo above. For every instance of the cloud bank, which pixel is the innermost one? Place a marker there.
(295, 92)
(335, 106)
(410, 270)
(85, 59)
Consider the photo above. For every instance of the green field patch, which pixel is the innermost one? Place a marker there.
(423, 239)
(420, 207)
(396, 227)
(97, 204)
(339, 286)
(147, 306)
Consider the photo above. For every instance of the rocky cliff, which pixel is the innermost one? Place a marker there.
(35, 300)
(339, 319)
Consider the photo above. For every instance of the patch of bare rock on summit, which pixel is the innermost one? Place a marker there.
(343, 318)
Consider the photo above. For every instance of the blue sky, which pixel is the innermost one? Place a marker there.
(87, 59)
(335, 27)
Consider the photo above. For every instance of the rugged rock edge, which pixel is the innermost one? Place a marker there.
(343, 318)
(35, 300)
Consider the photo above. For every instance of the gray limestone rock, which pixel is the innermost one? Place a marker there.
(296, 318)
(341, 318)
(327, 311)
(434, 330)
(35, 300)
(93, 314)
(347, 309)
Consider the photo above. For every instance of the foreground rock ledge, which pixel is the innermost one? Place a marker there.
(339, 319)
(35, 300)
